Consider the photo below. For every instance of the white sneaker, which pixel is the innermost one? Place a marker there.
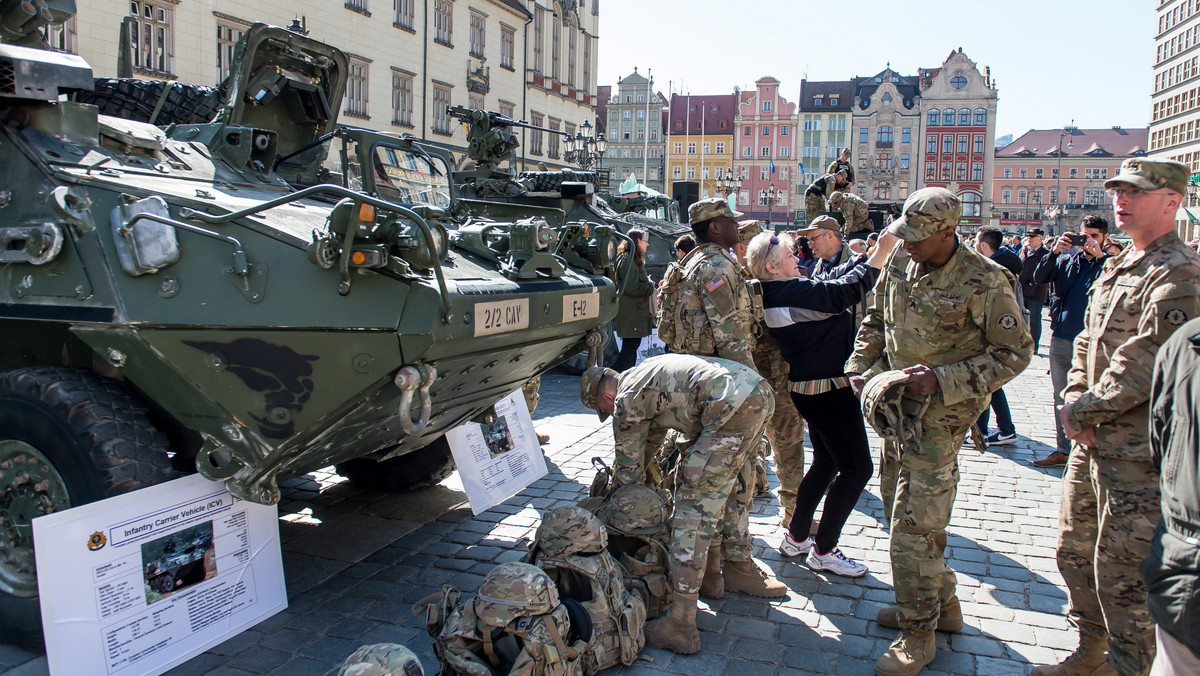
(789, 547)
(835, 562)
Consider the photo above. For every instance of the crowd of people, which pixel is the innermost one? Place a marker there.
(774, 333)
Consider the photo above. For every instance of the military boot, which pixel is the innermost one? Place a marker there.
(713, 586)
(949, 619)
(676, 631)
(908, 655)
(745, 577)
(1087, 660)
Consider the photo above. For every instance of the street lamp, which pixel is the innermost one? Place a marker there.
(1058, 210)
(770, 192)
(728, 185)
(583, 149)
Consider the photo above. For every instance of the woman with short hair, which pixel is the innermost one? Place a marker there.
(813, 323)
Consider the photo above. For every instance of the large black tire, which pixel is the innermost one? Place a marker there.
(81, 438)
(135, 99)
(409, 472)
(577, 364)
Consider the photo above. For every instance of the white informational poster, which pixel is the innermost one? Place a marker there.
(139, 583)
(497, 461)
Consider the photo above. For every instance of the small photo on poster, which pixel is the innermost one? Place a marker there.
(497, 437)
(177, 561)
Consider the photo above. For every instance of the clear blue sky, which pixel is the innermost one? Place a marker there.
(1053, 60)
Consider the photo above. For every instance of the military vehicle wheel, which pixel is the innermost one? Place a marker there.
(135, 99)
(578, 364)
(67, 437)
(409, 472)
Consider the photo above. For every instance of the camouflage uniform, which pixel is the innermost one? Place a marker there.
(715, 307)
(854, 209)
(1110, 496)
(530, 391)
(963, 321)
(721, 405)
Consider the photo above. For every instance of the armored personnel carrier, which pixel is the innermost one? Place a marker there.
(258, 295)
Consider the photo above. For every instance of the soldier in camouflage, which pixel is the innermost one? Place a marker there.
(531, 391)
(842, 163)
(1110, 499)
(949, 318)
(785, 429)
(814, 195)
(854, 209)
(723, 406)
(715, 317)
(382, 659)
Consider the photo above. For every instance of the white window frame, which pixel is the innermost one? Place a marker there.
(402, 98)
(402, 13)
(154, 23)
(228, 34)
(443, 22)
(358, 80)
(478, 35)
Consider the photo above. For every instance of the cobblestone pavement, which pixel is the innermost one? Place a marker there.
(355, 561)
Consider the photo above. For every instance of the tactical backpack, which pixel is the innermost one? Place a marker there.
(670, 310)
(571, 547)
(515, 626)
(636, 519)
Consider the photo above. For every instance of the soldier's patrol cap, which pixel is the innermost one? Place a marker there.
(1152, 175)
(748, 229)
(382, 659)
(823, 222)
(711, 208)
(927, 211)
(589, 388)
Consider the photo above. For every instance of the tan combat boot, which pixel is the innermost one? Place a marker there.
(950, 618)
(908, 655)
(676, 631)
(713, 586)
(745, 577)
(1087, 660)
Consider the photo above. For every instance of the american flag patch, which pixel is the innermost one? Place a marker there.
(716, 283)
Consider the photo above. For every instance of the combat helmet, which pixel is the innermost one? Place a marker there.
(514, 590)
(634, 509)
(569, 530)
(891, 410)
(382, 659)
(835, 198)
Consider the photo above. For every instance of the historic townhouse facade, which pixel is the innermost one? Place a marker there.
(636, 145)
(408, 60)
(1175, 109)
(824, 126)
(765, 152)
(887, 115)
(958, 130)
(700, 140)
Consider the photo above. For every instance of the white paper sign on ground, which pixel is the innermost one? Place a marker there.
(139, 583)
(497, 461)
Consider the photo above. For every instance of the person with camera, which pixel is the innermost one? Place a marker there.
(1070, 267)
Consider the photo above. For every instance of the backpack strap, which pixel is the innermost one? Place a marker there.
(563, 648)
(489, 648)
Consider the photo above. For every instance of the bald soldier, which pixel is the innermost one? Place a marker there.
(1110, 491)
(720, 404)
(949, 318)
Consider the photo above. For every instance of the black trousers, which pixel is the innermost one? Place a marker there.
(627, 358)
(841, 464)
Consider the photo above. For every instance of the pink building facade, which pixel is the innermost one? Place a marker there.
(765, 153)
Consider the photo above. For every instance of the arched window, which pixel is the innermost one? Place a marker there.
(935, 117)
(964, 117)
(885, 134)
(972, 203)
(948, 116)
(980, 117)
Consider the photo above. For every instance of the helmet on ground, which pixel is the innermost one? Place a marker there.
(382, 659)
(634, 509)
(514, 590)
(569, 530)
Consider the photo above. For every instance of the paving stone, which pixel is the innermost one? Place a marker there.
(258, 660)
(303, 666)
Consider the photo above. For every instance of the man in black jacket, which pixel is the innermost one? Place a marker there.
(989, 241)
(1070, 271)
(1035, 294)
(1172, 570)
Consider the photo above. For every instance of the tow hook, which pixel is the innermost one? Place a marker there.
(417, 379)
